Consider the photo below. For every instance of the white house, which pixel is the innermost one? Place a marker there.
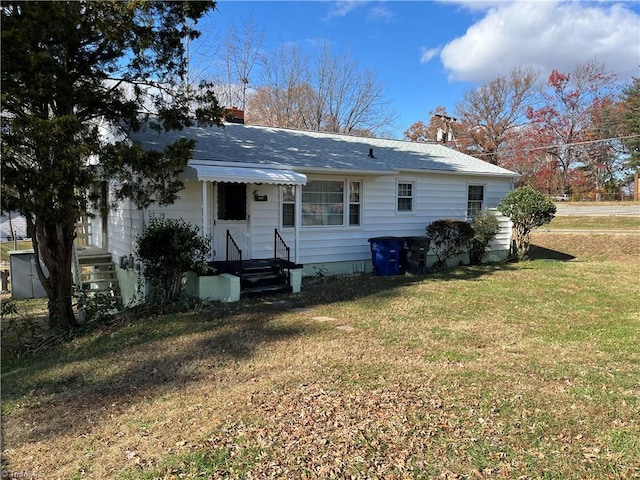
(325, 194)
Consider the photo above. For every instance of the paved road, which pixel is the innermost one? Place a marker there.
(569, 209)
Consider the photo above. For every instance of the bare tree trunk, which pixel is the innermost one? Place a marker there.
(13, 234)
(53, 248)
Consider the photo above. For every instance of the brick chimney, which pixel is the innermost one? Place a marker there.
(234, 115)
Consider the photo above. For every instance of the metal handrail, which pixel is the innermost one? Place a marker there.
(281, 251)
(281, 254)
(234, 255)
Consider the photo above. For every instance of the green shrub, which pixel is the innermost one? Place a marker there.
(97, 306)
(167, 249)
(528, 209)
(485, 228)
(448, 238)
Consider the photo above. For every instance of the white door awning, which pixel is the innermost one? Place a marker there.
(211, 173)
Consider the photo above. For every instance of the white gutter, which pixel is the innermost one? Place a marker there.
(459, 172)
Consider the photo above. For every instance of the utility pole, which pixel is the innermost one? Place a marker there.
(445, 135)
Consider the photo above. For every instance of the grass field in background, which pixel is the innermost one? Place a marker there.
(525, 370)
(6, 247)
(594, 223)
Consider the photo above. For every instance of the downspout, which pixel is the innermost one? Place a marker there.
(205, 209)
(143, 223)
(296, 221)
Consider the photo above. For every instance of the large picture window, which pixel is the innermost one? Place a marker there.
(331, 203)
(475, 200)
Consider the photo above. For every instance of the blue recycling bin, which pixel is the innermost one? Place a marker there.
(385, 255)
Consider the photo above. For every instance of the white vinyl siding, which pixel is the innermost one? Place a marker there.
(124, 225)
(435, 196)
(264, 218)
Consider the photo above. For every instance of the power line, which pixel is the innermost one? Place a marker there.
(547, 147)
(581, 143)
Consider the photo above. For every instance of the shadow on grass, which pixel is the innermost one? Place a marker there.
(321, 290)
(158, 355)
(541, 253)
(103, 372)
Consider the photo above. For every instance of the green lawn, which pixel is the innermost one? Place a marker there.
(6, 247)
(515, 371)
(595, 223)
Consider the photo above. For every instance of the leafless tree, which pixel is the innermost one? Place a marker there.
(321, 92)
(283, 98)
(489, 113)
(235, 61)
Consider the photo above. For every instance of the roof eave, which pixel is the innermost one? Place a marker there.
(506, 174)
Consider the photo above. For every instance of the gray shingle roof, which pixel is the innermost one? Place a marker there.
(306, 151)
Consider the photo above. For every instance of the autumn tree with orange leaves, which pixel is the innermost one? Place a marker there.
(563, 128)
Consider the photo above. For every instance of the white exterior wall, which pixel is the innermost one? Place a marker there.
(95, 231)
(187, 207)
(263, 218)
(124, 224)
(435, 197)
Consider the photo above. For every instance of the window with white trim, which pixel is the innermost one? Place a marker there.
(354, 204)
(475, 200)
(288, 206)
(405, 195)
(331, 203)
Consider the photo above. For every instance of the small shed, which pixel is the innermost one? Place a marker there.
(24, 277)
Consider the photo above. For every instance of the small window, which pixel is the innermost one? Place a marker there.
(405, 197)
(475, 200)
(289, 206)
(354, 203)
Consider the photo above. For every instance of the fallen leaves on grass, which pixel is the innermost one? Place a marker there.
(404, 431)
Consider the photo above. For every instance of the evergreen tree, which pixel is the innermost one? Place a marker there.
(72, 71)
(631, 121)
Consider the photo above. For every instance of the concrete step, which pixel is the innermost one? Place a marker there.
(265, 290)
(105, 265)
(262, 279)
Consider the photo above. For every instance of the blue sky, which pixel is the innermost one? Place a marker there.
(428, 54)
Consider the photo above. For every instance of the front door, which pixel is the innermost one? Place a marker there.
(232, 214)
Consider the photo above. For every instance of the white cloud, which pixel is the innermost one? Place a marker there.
(377, 13)
(544, 35)
(426, 54)
(380, 13)
(342, 8)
